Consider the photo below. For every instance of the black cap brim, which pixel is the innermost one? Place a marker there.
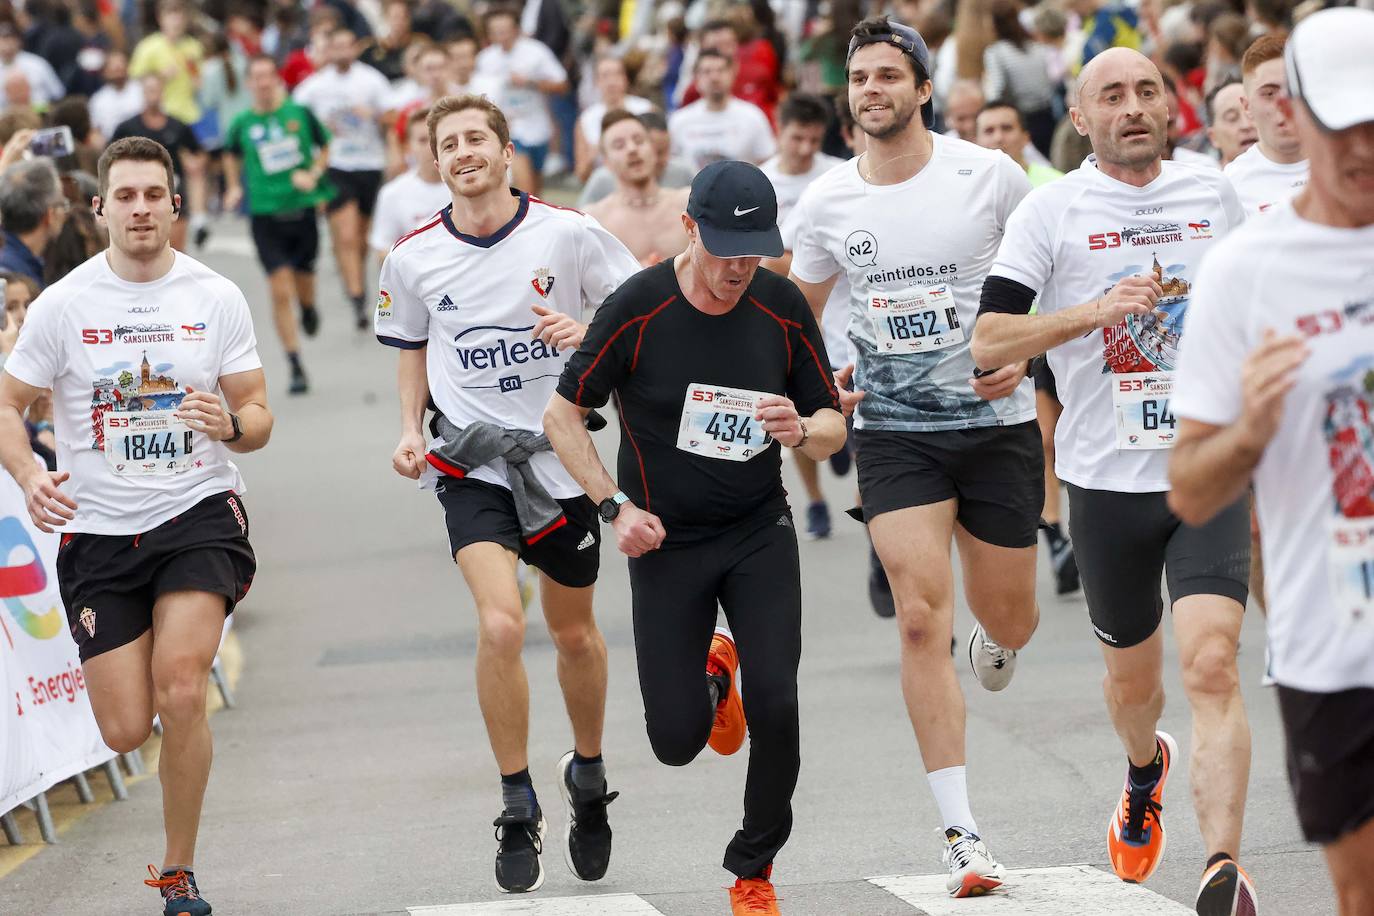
(765, 243)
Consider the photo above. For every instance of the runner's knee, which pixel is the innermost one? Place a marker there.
(502, 631)
(180, 687)
(917, 620)
(677, 739)
(1133, 690)
(1210, 669)
(125, 733)
(574, 639)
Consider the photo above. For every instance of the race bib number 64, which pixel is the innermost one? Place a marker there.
(1144, 419)
(147, 443)
(719, 423)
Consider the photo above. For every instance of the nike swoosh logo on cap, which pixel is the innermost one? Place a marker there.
(739, 212)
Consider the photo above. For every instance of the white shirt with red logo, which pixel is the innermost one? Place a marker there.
(470, 300)
(1262, 183)
(1314, 486)
(115, 352)
(1071, 241)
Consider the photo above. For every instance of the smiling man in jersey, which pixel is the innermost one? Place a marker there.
(483, 302)
(1276, 384)
(1112, 250)
(943, 455)
(137, 345)
(711, 362)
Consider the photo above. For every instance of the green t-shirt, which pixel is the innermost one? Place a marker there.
(1041, 174)
(272, 146)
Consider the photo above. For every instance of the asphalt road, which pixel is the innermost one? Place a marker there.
(354, 776)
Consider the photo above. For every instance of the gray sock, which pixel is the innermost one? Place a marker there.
(517, 795)
(587, 774)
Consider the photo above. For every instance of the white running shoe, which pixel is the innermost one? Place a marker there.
(972, 869)
(992, 665)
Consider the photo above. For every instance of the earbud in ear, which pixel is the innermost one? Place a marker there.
(100, 209)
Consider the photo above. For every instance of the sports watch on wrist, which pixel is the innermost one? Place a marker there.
(609, 507)
(806, 433)
(238, 430)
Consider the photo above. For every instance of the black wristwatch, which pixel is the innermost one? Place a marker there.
(238, 430)
(609, 507)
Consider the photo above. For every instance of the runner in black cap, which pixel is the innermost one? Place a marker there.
(711, 360)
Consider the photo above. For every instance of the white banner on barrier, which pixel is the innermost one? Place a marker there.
(47, 730)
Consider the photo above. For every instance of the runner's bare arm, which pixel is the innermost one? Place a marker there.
(1000, 338)
(815, 293)
(48, 506)
(412, 384)
(1211, 465)
(246, 394)
(563, 424)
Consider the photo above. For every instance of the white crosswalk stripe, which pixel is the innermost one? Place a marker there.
(1071, 890)
(593, 905)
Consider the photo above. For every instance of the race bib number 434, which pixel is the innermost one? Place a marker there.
(1143, 416)
(719, 423)
(916, 321)
(152, 442)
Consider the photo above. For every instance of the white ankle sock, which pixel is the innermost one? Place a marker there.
(951, 794)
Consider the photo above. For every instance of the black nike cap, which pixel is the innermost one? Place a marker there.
(736, 210)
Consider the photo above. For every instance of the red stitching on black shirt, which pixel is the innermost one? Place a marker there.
(629, 434)
(581, 379)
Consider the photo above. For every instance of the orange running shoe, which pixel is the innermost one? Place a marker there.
(727, 734)
(754, 896)
(1135, 837)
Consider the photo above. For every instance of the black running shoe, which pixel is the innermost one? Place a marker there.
(840, 461)
(364, 320)
(587, 837)
(201, 237)
(879, 589)
(1061, 560)
(518, 867)
(310, 320)
(180, 896)
(299, 383)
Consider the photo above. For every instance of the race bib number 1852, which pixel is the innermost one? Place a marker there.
(915, 321)
(719, 423)
(1143, 417)
(152, 442)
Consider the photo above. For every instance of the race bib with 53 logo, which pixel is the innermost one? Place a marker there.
(719, 423)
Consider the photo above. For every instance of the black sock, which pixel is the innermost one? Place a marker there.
(1219, 857)
(358, 302)
(307, 306)
(587, 774)
(517, 794)
(719, 686)
(295, 360)
(1149, 775)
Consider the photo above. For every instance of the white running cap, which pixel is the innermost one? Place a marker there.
(1330, 64)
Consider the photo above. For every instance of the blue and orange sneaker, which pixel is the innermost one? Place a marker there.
(1135, 837)
(180, 896)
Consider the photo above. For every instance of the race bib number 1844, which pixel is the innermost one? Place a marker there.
(148, 443)
(719, 423)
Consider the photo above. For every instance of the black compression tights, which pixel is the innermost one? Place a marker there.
(752, 571)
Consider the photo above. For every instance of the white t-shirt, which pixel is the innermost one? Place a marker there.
(403, 204)
(1192, 157)
(478, 84)
(349, 104)
(525, 108)
(590, 119)
(835, 319)
(114, 350)
(111, 107)
(740, 130)
(1314, 487)
(1071, 240)
(44, 85)
(1261, 183)
(470, 299)
(789, 187)
(915, 255)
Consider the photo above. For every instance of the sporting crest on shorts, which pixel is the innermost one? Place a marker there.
(543, 282)
(87, 618)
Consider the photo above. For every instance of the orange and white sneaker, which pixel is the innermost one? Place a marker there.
(754, 896)
(1226, 891)
(972, 869)
(727, 734)
(1135, 837)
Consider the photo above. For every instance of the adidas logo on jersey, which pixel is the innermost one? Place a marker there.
(446, 304)
(588, 541)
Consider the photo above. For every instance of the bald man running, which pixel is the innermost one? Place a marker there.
(1113, 250)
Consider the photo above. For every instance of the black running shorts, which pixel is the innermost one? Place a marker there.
(1330, 749)
(109, 583)
(1124, 542)
(287, 240)
(1044, 377)
(355, 187)
(996, 473)
(476, 511)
